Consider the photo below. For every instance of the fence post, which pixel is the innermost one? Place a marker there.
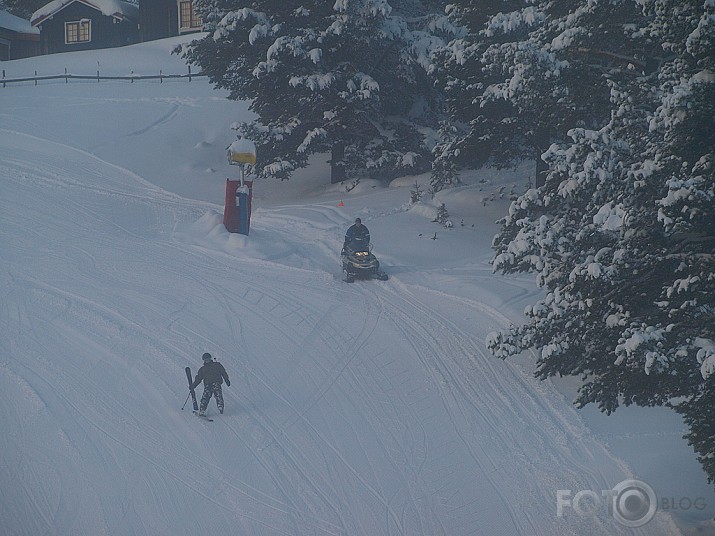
(65, 75)
(98, 76)
(161, 77)
(3, 78)
(189, 73)
(35, 77)
(132, 76)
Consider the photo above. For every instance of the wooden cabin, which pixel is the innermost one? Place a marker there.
(18, 39)
(69, 25)
(159, 19)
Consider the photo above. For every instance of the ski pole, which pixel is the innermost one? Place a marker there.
(187, 399)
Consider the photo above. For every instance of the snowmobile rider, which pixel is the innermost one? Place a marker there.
(213, 374)
(357, 233)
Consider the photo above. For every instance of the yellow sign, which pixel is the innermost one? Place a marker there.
(242, 151)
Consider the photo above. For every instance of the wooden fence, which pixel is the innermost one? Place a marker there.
(98, 77)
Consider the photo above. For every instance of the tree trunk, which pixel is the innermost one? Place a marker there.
(542, 143)
(337, 166)
(541, 169)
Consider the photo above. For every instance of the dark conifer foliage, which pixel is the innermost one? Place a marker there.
(22, 8)
(622, 234)
(528, 71)
(346, 77)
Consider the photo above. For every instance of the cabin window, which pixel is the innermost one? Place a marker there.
(78, 31)
(188, 19)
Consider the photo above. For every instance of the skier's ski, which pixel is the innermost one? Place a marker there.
(193, 393)
(204, 417)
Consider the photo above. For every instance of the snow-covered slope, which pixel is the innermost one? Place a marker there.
(362, 409)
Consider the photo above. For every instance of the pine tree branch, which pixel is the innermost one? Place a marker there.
(613, 56)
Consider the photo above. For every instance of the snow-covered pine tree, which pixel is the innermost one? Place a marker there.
(346, 77)
(444, 168)
(680, 159)
(471, 137)
(443, 216)
(622, 237)
(531, 70)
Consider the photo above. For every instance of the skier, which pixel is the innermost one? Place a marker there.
(213, 374)
(357, 233)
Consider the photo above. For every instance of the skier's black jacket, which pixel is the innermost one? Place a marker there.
(211, 372)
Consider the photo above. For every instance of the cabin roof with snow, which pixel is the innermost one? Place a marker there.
(18, 39)
(10, 22)
(118, 9)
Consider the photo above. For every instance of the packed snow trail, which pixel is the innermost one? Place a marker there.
(358, 409)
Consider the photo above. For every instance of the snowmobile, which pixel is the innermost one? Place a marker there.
(360, 263)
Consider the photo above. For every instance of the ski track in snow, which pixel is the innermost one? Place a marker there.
(353, 409)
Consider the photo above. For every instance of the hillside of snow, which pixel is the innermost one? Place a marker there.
(370, 408)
